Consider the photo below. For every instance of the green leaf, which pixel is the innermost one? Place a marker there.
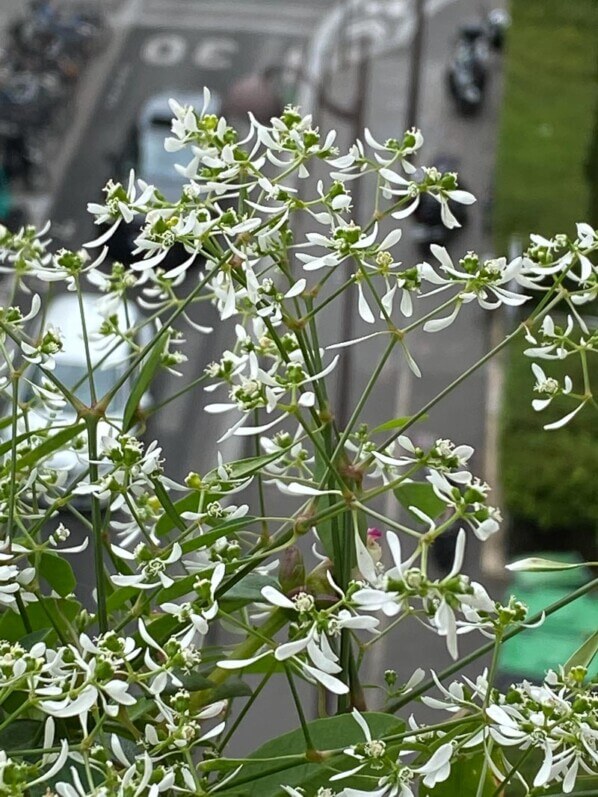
(58, 573)
(167, 505)
(49, 446)
(584, 655)
(6, 447)
(143, 706)
(186, 504)
(249, 589)
(29, 640)
(192, 682)
(263, 779)
(464, 779)
(231, 688)
(243, 468)
(396, 423)
(208, 538)
(146, 374)
(421, 495)
(180, 587)
(21, 734)
(119, 597)
(11, 624)
(540, 565)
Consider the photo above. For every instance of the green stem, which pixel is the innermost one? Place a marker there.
(243, 650)
(309, 745)
(96, 522)
(162, 331)
(499, 791)
(256, 692)
(455, 383)
(13, 458)
(23, 613)
(388, 522)
(481, 651)
(482, 781)
(92, 387)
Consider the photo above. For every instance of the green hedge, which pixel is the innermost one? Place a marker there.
(544, 167)
(549, 478)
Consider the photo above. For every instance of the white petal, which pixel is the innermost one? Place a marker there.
(436, 324)
(277, 598)
(558, 424)
(240, 664)
(364, 308)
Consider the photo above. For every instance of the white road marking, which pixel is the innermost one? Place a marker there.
(215, 53)
(170, 49)
(165, 49)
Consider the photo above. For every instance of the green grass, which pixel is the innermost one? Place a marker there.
(549, 119)
(549, 477)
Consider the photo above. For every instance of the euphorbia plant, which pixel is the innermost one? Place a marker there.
(132, 699)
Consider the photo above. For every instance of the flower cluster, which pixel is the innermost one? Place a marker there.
(308, 570)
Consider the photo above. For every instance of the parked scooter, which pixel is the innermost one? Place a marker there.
(498, 22)
(81, 33)
(467, 71)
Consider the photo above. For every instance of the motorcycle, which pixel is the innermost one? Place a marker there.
(81, 33)
(497, 23)
(467, 70)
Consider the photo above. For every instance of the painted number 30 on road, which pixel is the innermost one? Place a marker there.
(169, 49)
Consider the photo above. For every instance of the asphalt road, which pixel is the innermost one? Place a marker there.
(170, 45)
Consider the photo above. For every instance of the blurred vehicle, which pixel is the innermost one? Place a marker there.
(21, 155)
(12, 216)
(82, 31)
(144, 152)
(55, 62)
(428, 227)
(467, 70)
(529, 654)
(498, 22)
(109, 363)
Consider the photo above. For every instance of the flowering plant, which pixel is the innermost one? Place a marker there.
(135, 698)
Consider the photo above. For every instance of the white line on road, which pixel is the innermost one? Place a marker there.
(220, 22)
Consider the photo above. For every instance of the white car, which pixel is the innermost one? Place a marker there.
(109, 363)
(145, 153)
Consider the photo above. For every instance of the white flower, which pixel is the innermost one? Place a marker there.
(152, 567)
(196, 614)
(438, 768)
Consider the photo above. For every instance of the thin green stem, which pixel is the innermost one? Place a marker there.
(157, 407)
(23, 612)
(487, 648)
(513, 771)
(260, 483)
(309, 745)
(483, 774)
(96, 522)
(388, 522)
(244, 650)
(13, 457)
(92, 387)
(255, 694)
(372, 381)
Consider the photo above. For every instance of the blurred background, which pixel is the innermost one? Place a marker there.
(505, 94)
